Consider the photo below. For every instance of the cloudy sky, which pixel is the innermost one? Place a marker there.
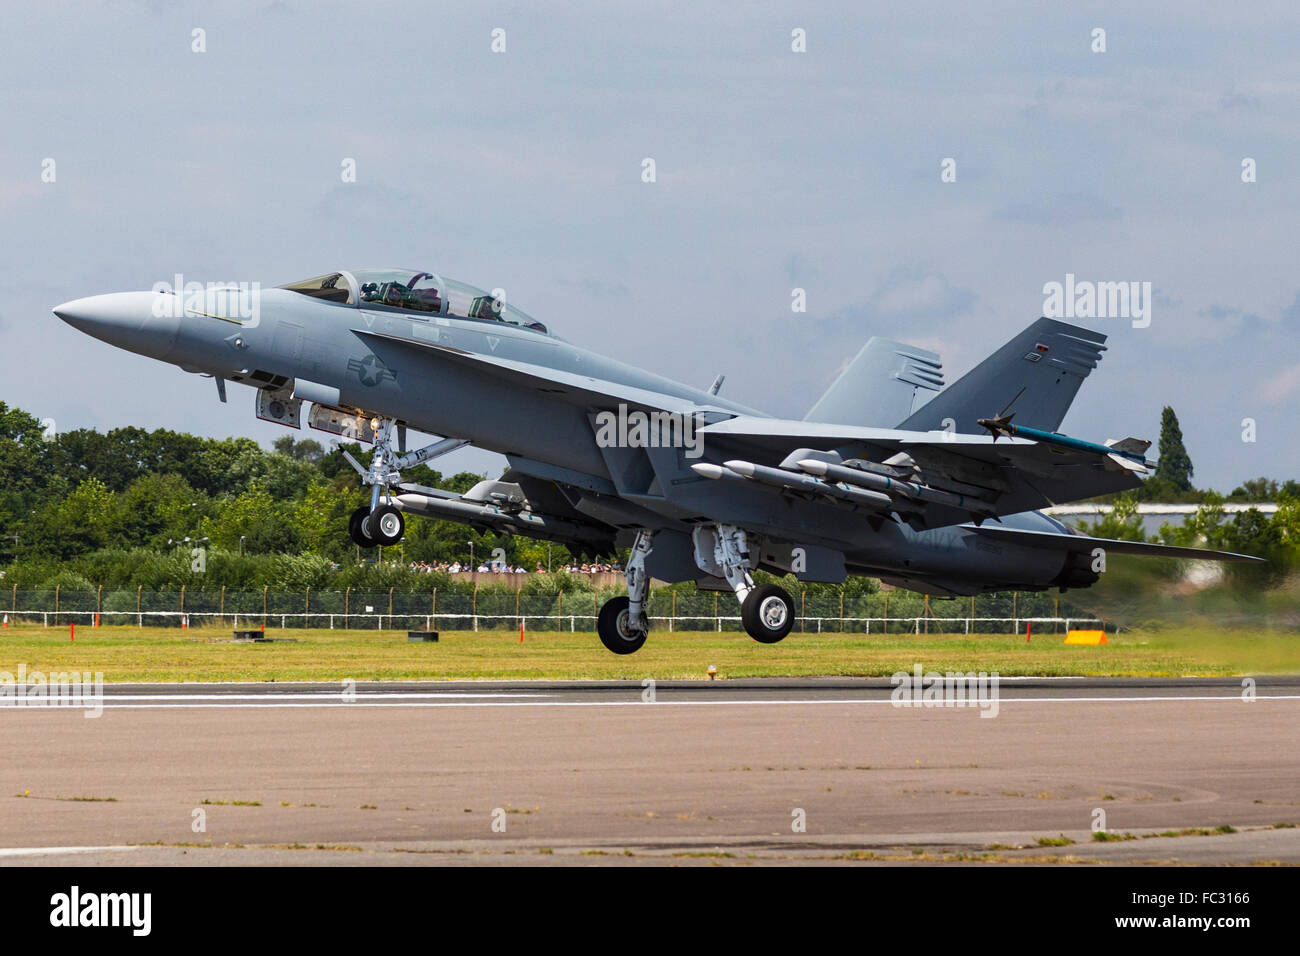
(775, 170)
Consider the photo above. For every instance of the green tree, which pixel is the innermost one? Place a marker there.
(81, 522)
(25, 477)
(307, 449)
(1256, 489)
(265, 525)
(156, 508)
(1287, 520)
(1206, 527)
(322, 516)
(1123, 523)
(1174, 466)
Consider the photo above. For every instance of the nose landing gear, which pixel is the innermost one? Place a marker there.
(380, 523)
(383, 527)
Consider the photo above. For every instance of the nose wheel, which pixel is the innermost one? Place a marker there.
(382, 528)
(386, 525)
(380, 524)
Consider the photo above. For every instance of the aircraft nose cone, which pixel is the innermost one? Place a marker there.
(138, 321)
(118, 310)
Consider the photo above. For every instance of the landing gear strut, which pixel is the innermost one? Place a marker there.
(622, 624)
(380, 523)
(767, 611)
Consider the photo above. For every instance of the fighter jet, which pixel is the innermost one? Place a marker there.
(890, 474)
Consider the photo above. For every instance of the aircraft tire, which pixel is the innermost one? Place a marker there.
(767, 613)
(385, 526)
(356, 529)
(612, 627)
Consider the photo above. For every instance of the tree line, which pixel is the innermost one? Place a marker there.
(130, 507)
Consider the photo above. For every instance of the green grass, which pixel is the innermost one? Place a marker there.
(159, 654)
(1061, 840)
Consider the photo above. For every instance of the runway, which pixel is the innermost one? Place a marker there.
(767, 691)
(679, 772)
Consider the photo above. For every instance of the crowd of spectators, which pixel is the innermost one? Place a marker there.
(491, 567)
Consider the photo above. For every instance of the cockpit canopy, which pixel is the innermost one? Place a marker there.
(412, 291)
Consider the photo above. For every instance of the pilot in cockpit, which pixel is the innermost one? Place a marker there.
(399, 296)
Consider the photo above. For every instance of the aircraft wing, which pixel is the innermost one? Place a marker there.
(1085, 544)
(581, 389)
(993, 477)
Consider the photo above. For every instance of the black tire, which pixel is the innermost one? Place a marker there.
(767, 613)
(357, 529)
(385, 526)
(612, 627)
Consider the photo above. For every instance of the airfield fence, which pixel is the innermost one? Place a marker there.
(497, 609)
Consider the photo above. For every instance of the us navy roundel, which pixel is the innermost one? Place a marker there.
(371, 370)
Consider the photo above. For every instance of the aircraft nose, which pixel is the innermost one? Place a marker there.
(144, 322)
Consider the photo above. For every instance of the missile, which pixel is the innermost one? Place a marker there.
(477, 512)
(892, 486)
(706, 469)
(866, 479)
(780, 478)
(1129, 453)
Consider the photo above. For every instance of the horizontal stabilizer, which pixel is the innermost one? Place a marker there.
(883, 384)
(1035, 376)
(1085, 544)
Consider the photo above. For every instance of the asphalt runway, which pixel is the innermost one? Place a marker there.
(682, 772)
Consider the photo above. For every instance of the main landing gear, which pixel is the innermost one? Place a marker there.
(381, 523)
(622, 624)
(767, 611)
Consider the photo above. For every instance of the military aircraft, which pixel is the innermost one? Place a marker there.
(889, 474)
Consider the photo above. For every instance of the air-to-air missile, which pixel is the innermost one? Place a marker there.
(1129, 453)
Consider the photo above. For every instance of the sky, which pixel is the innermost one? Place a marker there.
(775, 170)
